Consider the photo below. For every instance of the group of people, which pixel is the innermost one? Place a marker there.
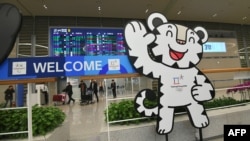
(93, 87)
(83, 89)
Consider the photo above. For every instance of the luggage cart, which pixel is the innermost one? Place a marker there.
(88, 98)
(59, 98)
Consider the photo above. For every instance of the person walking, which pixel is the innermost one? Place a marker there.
(113, 87)
(101, 88)
(83, 89)
(69, 91)
(9, 95)
(94, 87)
(45, 91)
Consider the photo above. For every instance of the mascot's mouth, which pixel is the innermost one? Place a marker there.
(175, 55)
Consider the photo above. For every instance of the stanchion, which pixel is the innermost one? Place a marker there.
(166, 137)
(200, 133)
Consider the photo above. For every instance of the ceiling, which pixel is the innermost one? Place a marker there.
(224, 11)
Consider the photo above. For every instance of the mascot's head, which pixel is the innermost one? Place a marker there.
(10, 24)
(175, 45)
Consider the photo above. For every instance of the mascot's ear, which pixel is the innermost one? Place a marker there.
(10, 24)
(156, 19)
(202, 33)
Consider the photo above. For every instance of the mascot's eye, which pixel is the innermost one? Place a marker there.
(169, 33)
(191, 40)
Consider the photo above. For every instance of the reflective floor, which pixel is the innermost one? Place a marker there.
(86, 121)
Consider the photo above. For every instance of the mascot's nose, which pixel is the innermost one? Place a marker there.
(182, 42)
(181, 34)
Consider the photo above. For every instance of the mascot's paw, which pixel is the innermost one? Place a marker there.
(10, 23)
(137, 37)
(201, 122)
(163, 129)
(199, 94)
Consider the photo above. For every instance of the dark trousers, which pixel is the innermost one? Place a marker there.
(96, 95)
(7, 101)
(70, 98)
(46, 98)
(83, 93)
(114, 93)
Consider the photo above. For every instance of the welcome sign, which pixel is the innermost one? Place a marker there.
(38, 67)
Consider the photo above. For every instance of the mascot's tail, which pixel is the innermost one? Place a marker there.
(140, 105)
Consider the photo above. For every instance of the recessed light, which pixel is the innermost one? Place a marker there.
(179, 12)
(244, 18)
(148, 7)
(215, 15)
(44, 5)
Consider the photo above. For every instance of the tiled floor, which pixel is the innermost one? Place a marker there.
(86, 121)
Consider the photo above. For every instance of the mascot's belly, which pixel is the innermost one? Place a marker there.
(177, 87)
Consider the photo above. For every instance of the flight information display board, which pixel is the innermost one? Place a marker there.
(76, 41)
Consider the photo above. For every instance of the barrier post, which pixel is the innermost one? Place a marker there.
(29, 111)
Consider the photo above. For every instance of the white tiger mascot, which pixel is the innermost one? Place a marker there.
(170, 53)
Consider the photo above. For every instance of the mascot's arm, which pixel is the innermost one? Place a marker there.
(138, 40)
(203, 89)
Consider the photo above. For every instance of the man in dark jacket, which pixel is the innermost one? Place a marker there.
(83, 89)
(9, 95)
(113, 87)
(93, 86)
(69, 91)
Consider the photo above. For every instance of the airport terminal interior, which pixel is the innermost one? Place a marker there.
(62, 42)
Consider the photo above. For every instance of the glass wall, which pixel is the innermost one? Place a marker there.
(125, 87)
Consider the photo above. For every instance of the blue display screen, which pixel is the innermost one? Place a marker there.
(214, 47)
(78, 41)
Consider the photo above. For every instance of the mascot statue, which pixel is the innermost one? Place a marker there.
(169, 53)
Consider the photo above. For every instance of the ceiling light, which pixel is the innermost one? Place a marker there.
(244, 18)
(99, 4)
(148, 7)
(44, 5)
(214, 15)
(179, 12)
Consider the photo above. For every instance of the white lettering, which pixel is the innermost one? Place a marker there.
(90, 66)
(237, 131)
(69, 66)
(98, 65)
(80, 64)
(57, 68)
(65, 66)
(243, 131)
(40, 67)
(231, 132)
(51, 67)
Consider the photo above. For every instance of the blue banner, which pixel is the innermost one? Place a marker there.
(39, 67)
